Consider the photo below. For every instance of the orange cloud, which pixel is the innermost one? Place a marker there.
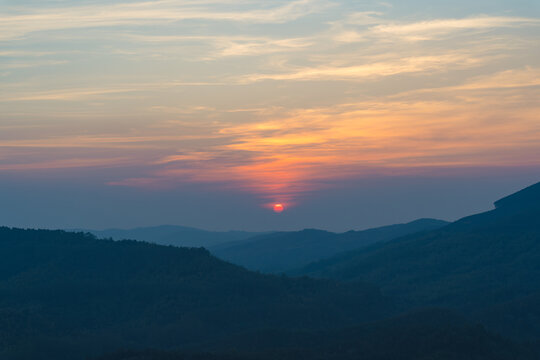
(286, 158)
(283, 155)
(64, 164)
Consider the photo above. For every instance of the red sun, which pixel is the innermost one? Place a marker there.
(278, 208)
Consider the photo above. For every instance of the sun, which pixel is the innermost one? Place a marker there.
(278, 208)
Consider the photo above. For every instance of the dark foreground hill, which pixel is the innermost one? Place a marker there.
(487, 265)
(68, 295)
(174, 235)
(426, 335)
(283, 251)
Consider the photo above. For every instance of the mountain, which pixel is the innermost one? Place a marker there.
(173, 235)
(282, 251)
(66, 295)
(487, 265)
(71, 296)
(526, 199)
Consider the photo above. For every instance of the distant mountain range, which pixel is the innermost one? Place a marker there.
(272, 252)
(282, 251)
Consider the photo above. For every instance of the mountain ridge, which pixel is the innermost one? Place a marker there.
(176, 235)
(71, 293)
(478, 262)
(283, 251)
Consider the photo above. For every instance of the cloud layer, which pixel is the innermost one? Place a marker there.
(278, 99)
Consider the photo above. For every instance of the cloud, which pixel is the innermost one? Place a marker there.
(302, 151)
(67, 95)
(78, 94)
(246, 110)
(228, 46)
(424, 30)
(364, 26)
(514, 78)
(13, 26)
(73, 163)
(373, 70)
(33, 64)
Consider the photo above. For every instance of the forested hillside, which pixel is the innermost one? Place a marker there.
(67, 294)
(487, 265)
(425, 335)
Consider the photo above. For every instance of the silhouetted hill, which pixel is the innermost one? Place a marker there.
(174, 235)
(485, 261)
(68, 295)
(282, 251)
(526, 199)
(426, 335)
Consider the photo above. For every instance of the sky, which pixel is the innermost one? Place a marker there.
(206, 113)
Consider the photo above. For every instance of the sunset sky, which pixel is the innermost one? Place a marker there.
(206, 113)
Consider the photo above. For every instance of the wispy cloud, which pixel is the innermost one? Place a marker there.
(229, 46)
(514, 78)
(151, 12)
(364, 26)
(64, 164)
(374, 70)
(424, 30)
(67, 95)
(75, 94)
